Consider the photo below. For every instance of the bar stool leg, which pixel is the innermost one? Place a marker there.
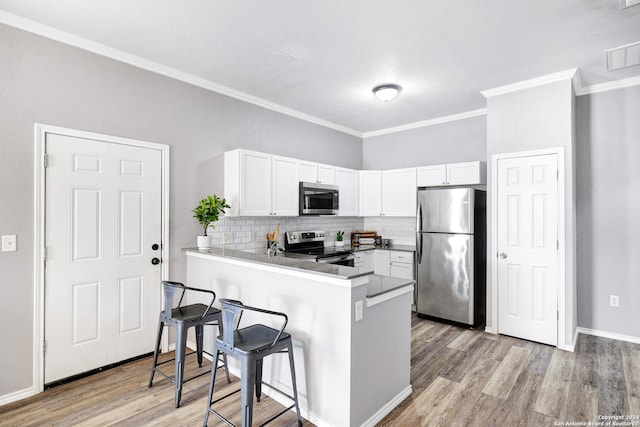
(181, 344)
(199, 343)
(258, 379)
(293, 381)
(156, 351)
(247, 384)
(211, 382)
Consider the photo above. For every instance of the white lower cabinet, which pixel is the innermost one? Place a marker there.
(364, 261)
(394, 263)
(381, 262)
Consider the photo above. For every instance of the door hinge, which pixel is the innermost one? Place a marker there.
(558, 244)
(44, 347)
(557, 315)
(557, 174)
(44, 253)
(46, 160)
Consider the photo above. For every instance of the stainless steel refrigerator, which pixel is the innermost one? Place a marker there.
(451, 254)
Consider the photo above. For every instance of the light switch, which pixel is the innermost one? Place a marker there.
(9, 243)
(359, 310)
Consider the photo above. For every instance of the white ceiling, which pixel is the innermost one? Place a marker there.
(321, 58)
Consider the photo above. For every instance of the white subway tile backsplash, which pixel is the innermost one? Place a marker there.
(250, 232)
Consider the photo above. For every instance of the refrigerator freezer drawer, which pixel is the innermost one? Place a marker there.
(445, 277)
(446, 210)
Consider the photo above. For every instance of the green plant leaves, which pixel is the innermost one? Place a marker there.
(208, 210)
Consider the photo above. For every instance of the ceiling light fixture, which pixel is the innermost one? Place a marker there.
(387, 92)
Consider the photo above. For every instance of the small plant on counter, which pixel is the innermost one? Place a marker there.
(208, 211)
(339, 236)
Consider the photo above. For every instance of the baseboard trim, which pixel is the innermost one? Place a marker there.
(610, 335)
(384, 411)
(489, 330)
(17, 395)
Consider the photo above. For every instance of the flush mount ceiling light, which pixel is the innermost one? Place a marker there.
(387, 92)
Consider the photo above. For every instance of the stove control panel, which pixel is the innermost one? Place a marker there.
(294, 237)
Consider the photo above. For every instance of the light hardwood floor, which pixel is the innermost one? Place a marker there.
(460, 377)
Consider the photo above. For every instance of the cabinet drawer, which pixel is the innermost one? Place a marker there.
(401, 256)
(401, 270)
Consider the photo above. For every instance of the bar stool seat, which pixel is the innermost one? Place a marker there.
(182, 318)
(250, 345)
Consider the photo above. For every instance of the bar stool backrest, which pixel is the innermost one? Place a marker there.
(169, 289)
(231, 315)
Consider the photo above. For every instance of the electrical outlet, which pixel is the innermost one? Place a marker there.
(359, 310)
(614, 301)
(9, 243)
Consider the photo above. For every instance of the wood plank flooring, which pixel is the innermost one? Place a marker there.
(460, 377)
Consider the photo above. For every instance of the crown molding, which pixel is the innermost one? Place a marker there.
(154, 67)
(526, 84)
(604, 87)
(425, 123)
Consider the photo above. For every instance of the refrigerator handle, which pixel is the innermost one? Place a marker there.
(419, 234)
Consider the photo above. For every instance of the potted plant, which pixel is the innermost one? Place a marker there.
(339, 238)
(207, 212)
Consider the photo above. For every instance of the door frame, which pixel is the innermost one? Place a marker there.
(39, 249)
(492, 257)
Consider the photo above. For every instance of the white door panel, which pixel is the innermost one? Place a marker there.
(103, 214)
(527, 247)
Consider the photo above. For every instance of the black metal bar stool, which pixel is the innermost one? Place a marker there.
(250, 345)
(182, 318)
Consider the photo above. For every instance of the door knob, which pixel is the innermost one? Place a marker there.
(155, 261)
(502, 255)
(155, 246)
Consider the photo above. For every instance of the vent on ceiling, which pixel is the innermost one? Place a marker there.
(628, 3)
(623, 56)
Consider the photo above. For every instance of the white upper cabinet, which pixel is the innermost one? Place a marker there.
(347, 182)
(258, 184)
(399, 192)
(316, 172)
(284, 188)
(370, 193)
(468, 173)
(388, 193)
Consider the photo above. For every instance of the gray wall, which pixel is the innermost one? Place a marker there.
(42, 81)
(533, 119)
(450, 142)
(608, 210)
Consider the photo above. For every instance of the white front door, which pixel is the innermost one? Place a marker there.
(103, 220)
(527, 218)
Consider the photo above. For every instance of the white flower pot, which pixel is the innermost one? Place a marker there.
(204, 242)
(339, 243)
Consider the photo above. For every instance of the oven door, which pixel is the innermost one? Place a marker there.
(346, 259)
(318, 199)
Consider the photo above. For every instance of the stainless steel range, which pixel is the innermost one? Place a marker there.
(310, 245)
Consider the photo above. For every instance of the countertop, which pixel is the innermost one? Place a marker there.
(377, 285)
(403, 248)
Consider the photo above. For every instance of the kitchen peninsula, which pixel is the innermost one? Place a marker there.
(351, 330)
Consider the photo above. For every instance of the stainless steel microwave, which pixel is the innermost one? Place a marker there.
(318, 199)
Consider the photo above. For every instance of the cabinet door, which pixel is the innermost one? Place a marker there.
(381, 262)
(308, 171)
(431, 176)
(326, 174)
(347, 182)
(284, 188)
(370, 189)
(401, 270)
(399, 192)
(255, 187)
(465, 173)
(368, 261)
